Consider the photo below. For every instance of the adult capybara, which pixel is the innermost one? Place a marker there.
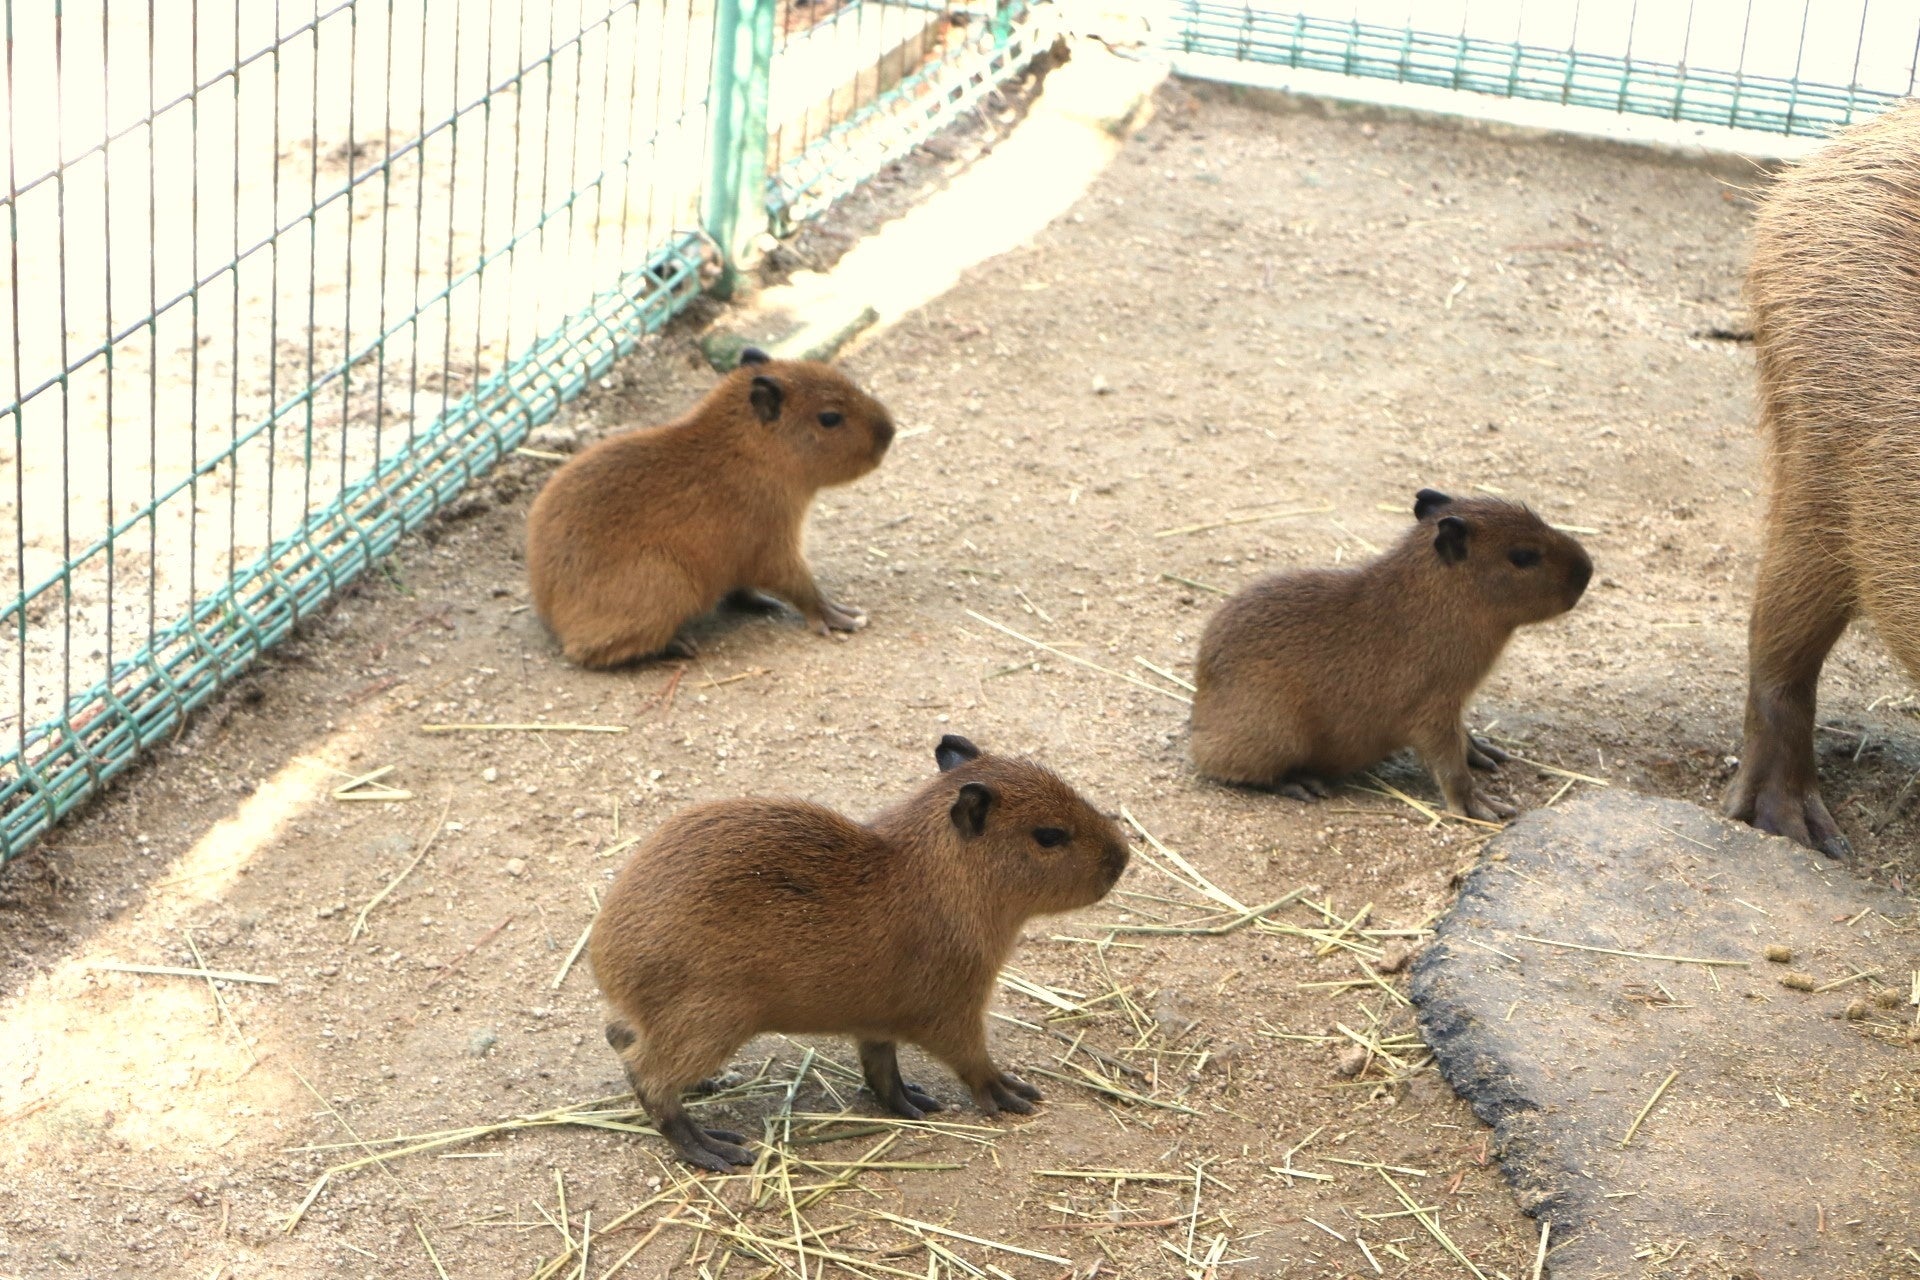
(649, 529)
(1309, 675)
(1834, 290)
(749, 916)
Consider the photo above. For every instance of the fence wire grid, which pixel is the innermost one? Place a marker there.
(1795, 67)
(283, 278)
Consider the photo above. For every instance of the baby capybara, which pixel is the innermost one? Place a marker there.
(1309, 675)
(1834, 291)
(649, 529)
(749, 916)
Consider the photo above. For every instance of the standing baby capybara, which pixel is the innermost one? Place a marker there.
(1309, 675)
(749, 916)
(1834, 290)
(649, 529)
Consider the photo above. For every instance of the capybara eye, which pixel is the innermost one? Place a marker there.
(1049, 837)
(1524, 557)
(832, 418)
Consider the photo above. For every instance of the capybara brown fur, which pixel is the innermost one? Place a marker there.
(1833, 287)
(651, 528)
(1309, 675)
(750, 916)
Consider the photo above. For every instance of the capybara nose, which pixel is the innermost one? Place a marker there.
(1115, 863)
(882, 435)
(1579, 576)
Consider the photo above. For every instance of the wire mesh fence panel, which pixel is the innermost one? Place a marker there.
(282, 278)
(1795, 67)
(856, 83)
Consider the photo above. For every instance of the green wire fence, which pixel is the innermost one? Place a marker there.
(1794, 67)
(283, 279)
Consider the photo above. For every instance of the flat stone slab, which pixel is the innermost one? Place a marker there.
(1787, 1143)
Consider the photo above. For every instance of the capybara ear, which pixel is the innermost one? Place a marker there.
(1428, 500)
(969, 810)
(953, 752)
(1450, 539)
(765, 397)
(754, 355)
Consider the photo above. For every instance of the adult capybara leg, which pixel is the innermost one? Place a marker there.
(962, 1044)
(880, 1064)
(661, 1065)
(634, 613)
(1801, 603)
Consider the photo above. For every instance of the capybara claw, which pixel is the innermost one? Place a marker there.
(1484, 755)
(839, 617)
(1020, 1086)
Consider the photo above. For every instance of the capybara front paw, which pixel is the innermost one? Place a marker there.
(680, 647)
(1484, 755)
(1766, 799)
(911, 1102)
(839, 617)
(1489, 809)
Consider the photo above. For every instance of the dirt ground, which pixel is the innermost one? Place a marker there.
(1255, 310)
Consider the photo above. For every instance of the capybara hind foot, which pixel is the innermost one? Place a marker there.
(1304, 786)
(715, 1149)
(1765, 794)
(880, 1063)
(747, 600)
(1488, 808)
(1484, 755)
(838, 617)
(1002, 1091)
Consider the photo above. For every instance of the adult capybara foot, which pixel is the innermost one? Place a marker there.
(718, 1150)
(1304, 786)
(1484, 755)
(1003, 1092)
(839, 617)
(1489, 808)
(1766, 795)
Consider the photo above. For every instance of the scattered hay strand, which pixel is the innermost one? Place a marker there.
(1540, 1254)
(1432, 1223)
(1841, 982)
(177, 971)
(524, 728)
(1637, 955)
(1434, 816)
(1324, 1227)
(1196, 585)
(360, 920)
(1558, 772)
(1375, 1262)
(1194, 880)
(1648, 1109)
(1128, 676)
(485, 938)
(916, 1225)
(748, 674)
(572, 956)
(1258, 518)
(1165, 674)
(1113, 1175)
(1210, 930)
(1088, 1080)
(360, 788)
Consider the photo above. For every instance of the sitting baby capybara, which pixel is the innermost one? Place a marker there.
(649, 529)
(749, 916)
(1309, 675)
(1834, 290)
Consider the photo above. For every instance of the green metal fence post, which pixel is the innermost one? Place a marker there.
(737, 138)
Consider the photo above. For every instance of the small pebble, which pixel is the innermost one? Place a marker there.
(1779, 952)
(1352, 1062)
(1100, 385)
(516, 866)
(1396, 957)
(489, 774)
(1797, 981)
